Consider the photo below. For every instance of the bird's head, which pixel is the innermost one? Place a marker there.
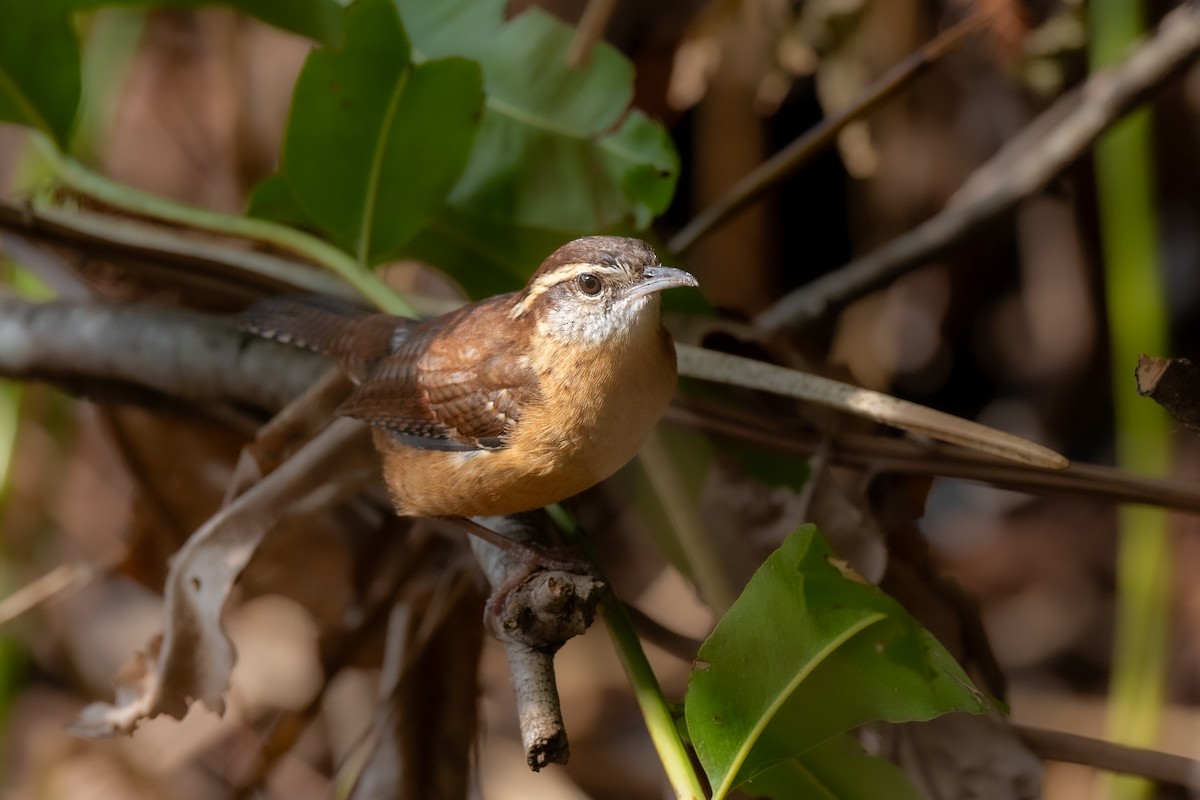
(597, 289)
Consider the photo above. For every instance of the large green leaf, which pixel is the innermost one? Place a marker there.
(39, 67)
(375, 142)
(560, 148)
(836, 768)
(274, 199)
(486, 255)
(809, 651)
(320, 20)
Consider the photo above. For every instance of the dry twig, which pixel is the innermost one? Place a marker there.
(159, 248)
(1112, 757)
(780, 166)
(535, 617)
(589, 31)
(1042, 151)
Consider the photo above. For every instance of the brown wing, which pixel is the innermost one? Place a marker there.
(453, 384)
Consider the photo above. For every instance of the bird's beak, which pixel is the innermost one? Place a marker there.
(656, 278)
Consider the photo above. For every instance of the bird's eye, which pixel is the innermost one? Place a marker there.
(589, 283)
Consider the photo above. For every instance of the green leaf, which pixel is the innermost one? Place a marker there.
(809, 651)
(39, 67)
(374, 142)
(837, 767)
(320, 20)
(486, 256)
(559, 148)
(640, 157)
(274, 200)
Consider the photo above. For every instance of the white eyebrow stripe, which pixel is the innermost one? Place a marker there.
(566, 272)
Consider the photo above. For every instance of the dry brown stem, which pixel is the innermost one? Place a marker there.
(1041, 152)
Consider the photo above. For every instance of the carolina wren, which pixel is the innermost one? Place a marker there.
(511, 403)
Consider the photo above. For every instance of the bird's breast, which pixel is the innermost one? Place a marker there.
(597, 407)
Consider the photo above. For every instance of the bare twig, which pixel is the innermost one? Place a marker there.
(1075, 749)
(589, 31)
(778, 167)
(905, 456)
(533, 615)
(392, 570)
(201, 359)
(61, 579)
(160, 248)
(1025, 166)
(295, 423)
(734, 370)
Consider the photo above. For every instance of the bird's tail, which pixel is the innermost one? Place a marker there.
(355, 336)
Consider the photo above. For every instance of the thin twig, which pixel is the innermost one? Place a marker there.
(905, 456)
(1075, 749)
(130, 201)
(164, 249)
(800, 151)
(294, 424)
(204, 360)
(392, 568)
(590, 30)
(58, 581)
(1046, 147)
(532, 614)
(735, 370)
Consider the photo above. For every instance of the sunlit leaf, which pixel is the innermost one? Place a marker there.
(374, 142)
(808, 651)
(559, 148)
(486, 255)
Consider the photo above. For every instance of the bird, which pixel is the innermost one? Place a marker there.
(513, 402)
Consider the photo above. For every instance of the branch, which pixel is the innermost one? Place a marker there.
(201, 359)
(800, 151)
(909, 457)
(533, 614)
(1042, 151)
(734, 370)
(162, 249)
(132, 202)
(1075, 749)
(177, 353)
(590, 31)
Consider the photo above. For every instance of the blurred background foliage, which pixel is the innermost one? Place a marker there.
(1010, 328)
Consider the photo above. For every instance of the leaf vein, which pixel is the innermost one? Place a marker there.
(757, 731)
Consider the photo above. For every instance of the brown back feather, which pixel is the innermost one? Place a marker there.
(454, 383)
